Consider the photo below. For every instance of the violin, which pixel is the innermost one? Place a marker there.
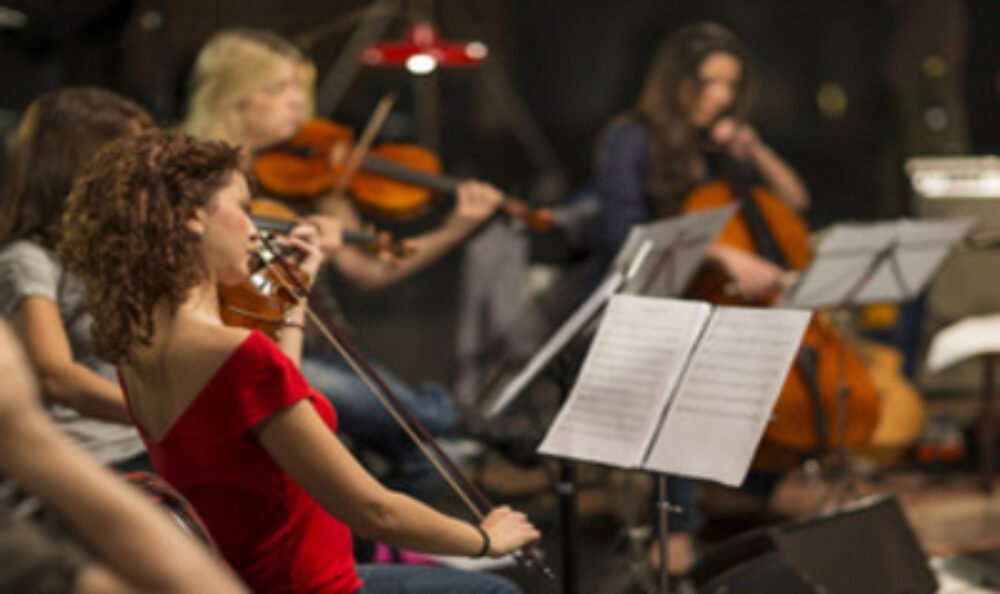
(396, 181)
(808, 407)
(262, 300)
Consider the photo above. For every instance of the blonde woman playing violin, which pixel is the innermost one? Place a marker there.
(248, 89)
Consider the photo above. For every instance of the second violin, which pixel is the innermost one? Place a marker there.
(395, 182)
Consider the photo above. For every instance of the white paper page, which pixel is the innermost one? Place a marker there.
(627, 377)
(845, 254)
(971, 337)
(679, 245)
(840, 261)
(921, 247)
(558, 341)
(655, 276)
(725, 398)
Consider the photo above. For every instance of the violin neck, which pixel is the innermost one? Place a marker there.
(357, 237)
(388, 168)
(536, 219)
(284, 227)
(273, 224)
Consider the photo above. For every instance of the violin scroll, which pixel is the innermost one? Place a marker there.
(262, 301)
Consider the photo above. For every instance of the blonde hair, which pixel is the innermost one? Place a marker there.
(230, 67)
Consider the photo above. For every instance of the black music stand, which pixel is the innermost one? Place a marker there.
(678, 387)
(658, 259)
(864, 263)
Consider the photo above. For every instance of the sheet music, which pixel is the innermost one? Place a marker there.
(842, 271)
(921, 247)
(967, 338)
(717, 417)
(558, 341)
(678, 247)
(675, 249)
(626, 380)
(841, 259)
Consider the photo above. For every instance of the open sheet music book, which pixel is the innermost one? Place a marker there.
(681, 387)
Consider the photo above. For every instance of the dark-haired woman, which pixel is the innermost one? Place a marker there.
(227, 416)
(689, 127)
(690, 120)
(58, 133)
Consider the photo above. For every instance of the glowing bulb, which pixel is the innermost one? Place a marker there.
(476, 50)
(421, 63)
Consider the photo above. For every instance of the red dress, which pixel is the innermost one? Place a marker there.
(276, 537)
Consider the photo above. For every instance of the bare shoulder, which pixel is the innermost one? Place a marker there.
(208, 345)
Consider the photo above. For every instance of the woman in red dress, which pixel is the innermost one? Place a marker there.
(155, 225)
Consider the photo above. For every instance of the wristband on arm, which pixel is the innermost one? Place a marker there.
(486, 543)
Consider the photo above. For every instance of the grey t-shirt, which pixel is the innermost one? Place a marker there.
(29, 270)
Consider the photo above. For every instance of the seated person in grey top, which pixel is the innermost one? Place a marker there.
(57, 135)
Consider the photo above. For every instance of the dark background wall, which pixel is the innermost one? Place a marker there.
(576, 63)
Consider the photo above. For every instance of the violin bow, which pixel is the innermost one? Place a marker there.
(474, 499)
(357, 154)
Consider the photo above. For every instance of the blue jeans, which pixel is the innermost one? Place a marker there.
(363, 419)
(680, 492)
(423, 579)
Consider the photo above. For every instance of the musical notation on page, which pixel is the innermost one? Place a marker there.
(726, 395)
(630, 370)
(677, 386)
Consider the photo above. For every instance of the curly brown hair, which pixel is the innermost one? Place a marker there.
(126, 233)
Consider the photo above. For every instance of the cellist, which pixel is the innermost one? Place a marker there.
(226, 415)
(248, 88)
(690, 116)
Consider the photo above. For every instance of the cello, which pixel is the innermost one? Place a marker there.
(827, 373)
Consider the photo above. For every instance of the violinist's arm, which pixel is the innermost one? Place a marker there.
(62, 379)
(125, 531)
(753, 276)
(307, 243)
(303, 445)
(291, 337)
(780, 176)
(744, 143)
(475, 202)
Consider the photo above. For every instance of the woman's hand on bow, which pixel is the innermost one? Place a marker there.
(508, 530)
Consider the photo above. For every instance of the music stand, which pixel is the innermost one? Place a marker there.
(863, 263)
(656, 259)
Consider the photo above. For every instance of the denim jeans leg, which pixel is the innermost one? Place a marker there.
(362, 418)
(422, 579)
